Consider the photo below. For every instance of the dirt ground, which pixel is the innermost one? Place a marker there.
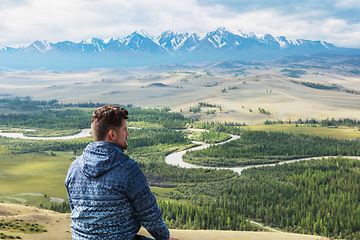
(58, 227)
(56, 224)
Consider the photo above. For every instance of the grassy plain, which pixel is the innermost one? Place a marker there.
(208, 137)
(38, 178)
(332, 132)
(27, 178)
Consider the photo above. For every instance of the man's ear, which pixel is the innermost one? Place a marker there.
(112, 135)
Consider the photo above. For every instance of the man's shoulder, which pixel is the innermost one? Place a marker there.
(128, 164)
(75, 163)
(74, 168)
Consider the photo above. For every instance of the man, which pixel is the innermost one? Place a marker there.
(108, 193)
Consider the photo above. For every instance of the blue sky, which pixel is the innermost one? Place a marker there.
(25, 21)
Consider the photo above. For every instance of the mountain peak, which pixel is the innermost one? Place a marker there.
(41, 46)
(222, 29)
(92, 41)
(143, 33)
(247, 35)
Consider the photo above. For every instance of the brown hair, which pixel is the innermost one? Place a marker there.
(106, 118)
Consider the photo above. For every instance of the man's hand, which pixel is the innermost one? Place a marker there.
(172, 238)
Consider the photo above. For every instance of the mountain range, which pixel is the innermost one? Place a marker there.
(140, 48)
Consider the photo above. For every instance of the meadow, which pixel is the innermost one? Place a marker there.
(36, 179)
(331, 132)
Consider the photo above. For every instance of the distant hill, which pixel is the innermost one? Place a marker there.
(142, 49)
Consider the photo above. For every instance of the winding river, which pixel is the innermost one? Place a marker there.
(173, 158)
(176, 158)
(83, 133)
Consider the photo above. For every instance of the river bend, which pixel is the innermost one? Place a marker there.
(176, 158)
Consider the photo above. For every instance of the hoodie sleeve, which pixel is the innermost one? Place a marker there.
(69, 176)
(144, 203)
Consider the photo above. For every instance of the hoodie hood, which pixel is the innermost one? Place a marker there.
(99, 157)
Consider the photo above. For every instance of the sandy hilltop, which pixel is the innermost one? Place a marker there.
(57, 226)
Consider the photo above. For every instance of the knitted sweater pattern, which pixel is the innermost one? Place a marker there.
(109, 196)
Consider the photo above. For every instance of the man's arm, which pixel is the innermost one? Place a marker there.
(146, 208)
(67, 180)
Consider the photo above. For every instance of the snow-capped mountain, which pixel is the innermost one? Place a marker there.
(175, 42)
(41, 46)
(173, 46)
(8, 49)
(141, 41)
(92, 45)
(223, 39)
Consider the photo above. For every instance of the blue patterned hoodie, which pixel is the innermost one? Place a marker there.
(109, 196)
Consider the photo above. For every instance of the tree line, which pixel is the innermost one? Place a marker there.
(224, 127)
(48, 119)
(311, 197)
(28, 104)
(188, 216)
(138, 138)
(322, 123)
(80, 119)
(319, 86)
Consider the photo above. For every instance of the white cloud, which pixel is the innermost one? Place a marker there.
(74, 20)
(347, 4)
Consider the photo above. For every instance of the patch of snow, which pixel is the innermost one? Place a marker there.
(221, 45)
(222, 30)
(87, 41)
(218, 40)
(192, 48)
(201, 35)
(324, 44)
(294, 41)
(122, 40)
(143, 33)
(211, 41)
(242, 34)
(42, 46)
(282, 43)
(107, 40)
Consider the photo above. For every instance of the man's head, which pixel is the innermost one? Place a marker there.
(108, 123)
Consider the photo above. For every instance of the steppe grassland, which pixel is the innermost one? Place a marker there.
(348, 133)
(265, 88)
(28, 177)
